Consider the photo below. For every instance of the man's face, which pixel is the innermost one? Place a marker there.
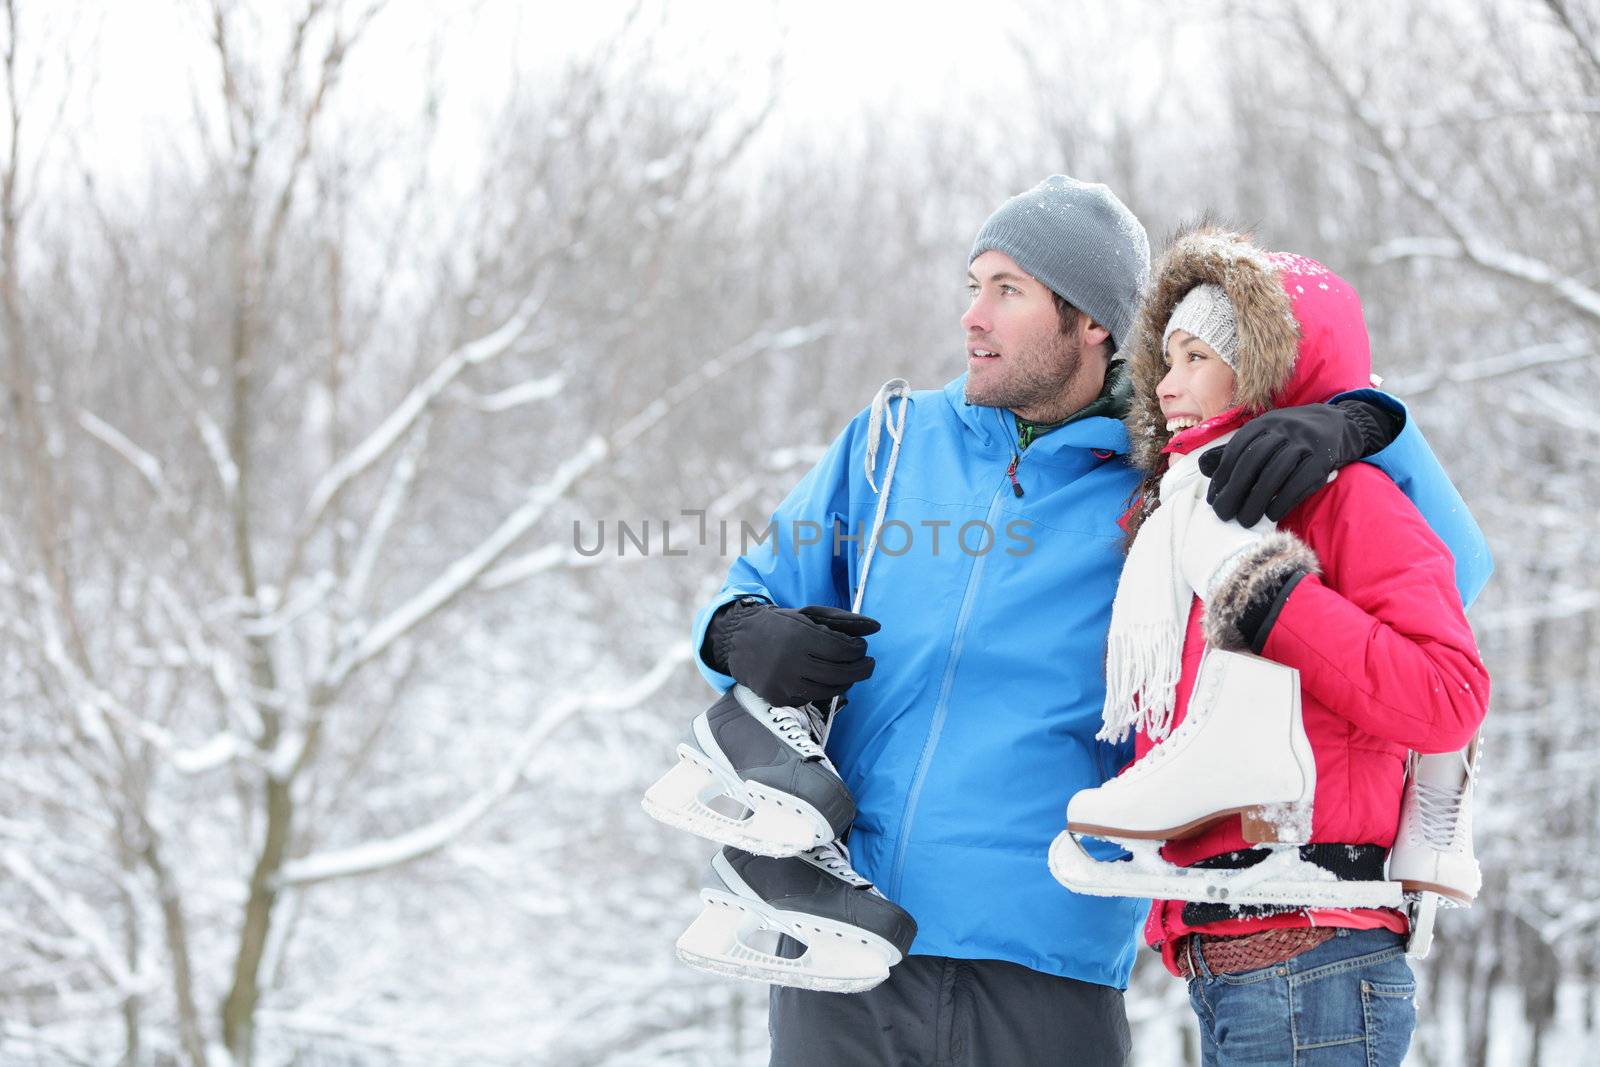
(1017, 355)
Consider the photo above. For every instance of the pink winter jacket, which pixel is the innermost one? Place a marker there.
(1387, 661)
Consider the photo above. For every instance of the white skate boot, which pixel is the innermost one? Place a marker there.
(1432, 857)
(1240, 750)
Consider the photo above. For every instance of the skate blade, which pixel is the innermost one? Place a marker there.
(768, 823)
(1449, 896)
(1282, 878)
(1420, 911)
(738, 938)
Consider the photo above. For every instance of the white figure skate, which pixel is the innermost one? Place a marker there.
(755, 777)
(1240, 750)
(1432, 858)
(808, 921)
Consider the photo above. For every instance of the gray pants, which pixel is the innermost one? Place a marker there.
(938, 1012)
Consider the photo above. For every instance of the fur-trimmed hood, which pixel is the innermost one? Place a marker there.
(1302, 337)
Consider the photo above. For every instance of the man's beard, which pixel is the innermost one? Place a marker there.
(1040, 377)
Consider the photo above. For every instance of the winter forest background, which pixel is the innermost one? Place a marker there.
(323, 323)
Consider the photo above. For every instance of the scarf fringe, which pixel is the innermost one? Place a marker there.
(1150, 613)
(1143, 664)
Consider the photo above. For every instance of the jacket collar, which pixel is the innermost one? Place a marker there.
(1186, 441)
(997, 428)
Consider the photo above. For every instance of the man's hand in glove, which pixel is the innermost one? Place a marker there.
(790, 656)
(1283, 456)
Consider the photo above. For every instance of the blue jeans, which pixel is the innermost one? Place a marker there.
(1349, 1001)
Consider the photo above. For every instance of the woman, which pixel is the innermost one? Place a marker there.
(1353, 591)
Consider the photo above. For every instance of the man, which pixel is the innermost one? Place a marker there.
(973, 721)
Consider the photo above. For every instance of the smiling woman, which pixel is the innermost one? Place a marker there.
(1380, 660)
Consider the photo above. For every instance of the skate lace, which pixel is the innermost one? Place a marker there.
(1208, 682)
(879, 421)
(835, 859)
(1439, 815)
(799, 727)
(1439, 809)
(1165, 747)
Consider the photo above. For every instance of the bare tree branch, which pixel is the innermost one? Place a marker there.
(393, 429)
(1498, 111)
(395, 491)
(1522, 359)
(1488, 256)
(146, 465)
(460, 575)
(465, 571)
(515, 396)
(440, 833)
(175, 925)
(78, 917)
(1588, 46)
(1469, 244)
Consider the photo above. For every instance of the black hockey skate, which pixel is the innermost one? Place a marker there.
(808, 921)
(755, 777)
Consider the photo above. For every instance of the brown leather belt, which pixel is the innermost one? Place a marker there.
(1248, 952)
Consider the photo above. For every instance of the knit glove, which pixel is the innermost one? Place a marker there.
(1280, 457)
(790, 656)
(1211, 547)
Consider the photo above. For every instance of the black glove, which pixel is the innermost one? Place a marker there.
(789, 657)
(1283, 456)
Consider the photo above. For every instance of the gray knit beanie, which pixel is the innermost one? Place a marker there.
(1081, 241)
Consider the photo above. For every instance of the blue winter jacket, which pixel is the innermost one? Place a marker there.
(978, 722)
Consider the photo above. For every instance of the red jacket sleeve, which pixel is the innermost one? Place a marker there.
(1381, 637)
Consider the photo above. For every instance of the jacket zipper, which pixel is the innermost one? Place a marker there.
(1011, 472)
(942, 707)
(1016, 455)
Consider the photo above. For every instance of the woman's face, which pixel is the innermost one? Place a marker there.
(1198, 384)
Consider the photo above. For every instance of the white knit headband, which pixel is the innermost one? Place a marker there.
(1206, 312)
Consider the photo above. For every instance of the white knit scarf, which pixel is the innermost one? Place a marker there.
(1144, 652)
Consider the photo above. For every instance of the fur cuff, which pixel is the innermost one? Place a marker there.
(1254, 581)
